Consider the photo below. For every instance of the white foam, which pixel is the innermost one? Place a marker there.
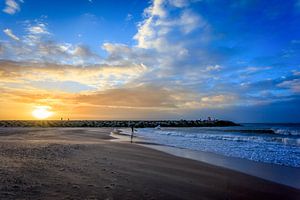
(268, 148)
(286, 132)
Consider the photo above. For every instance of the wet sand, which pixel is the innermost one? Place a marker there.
(83, 163)
(284, 175)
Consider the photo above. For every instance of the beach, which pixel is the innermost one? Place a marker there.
(86, 163)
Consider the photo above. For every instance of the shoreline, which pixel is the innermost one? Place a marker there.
(285, 175)
(83, 163)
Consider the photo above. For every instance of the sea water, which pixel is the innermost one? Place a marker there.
(269, 143)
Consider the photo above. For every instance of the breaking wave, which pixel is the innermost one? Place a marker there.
(281, 146)
(287, 132)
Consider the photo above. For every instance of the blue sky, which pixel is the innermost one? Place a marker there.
(81, 21)
(236, 60)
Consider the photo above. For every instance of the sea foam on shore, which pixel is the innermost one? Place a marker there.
(176, 141)
(249, 142)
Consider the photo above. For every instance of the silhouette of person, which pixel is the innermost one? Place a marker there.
(132, 132)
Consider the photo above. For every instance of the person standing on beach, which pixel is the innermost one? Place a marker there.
(132, 132)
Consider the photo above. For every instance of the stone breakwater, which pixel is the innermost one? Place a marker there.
(112, 123)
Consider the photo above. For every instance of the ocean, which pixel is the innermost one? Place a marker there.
(268, 143)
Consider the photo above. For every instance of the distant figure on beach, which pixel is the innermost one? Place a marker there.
(132, 132)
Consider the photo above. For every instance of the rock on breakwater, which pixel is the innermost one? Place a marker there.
(115, 123)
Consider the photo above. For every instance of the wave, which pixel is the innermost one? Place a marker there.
(278, 131)
(276, 148)
(203, 136)
(268, 131)
(287, 132)
(258, 131)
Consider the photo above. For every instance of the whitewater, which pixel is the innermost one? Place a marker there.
(268, 143)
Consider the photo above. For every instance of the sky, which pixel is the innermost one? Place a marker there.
(160, 59)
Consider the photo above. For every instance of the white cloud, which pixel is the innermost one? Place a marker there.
(157, 9)
(96, 76)
(157, 28)
(39, 28)
(37, 46)
(179, 3)
(213, 68)
(12, 6)
(177, 38)
(10, 34)
(293, 85)
(112, 48)
(190, 21)
(253, 70)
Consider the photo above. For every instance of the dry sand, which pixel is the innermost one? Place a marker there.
(73, 163)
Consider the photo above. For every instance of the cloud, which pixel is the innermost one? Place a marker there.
(213, 101)
(110, 87)
(128, 102)
(83, 51)
(256, 69)
(10, 34)
(214, 68)
(147, 97)
(179, 3)
(159, 24)
(181, 41)
(12, 6)
(190, 21)
(294, 85)
(105, 105)
(156, 9)
(37, 45)
(1, 49)
(124, 54)
(177, 37)
(96, 76)
(39, 28)
(153, 97)
(182, 60)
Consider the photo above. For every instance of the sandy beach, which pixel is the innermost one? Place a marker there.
(83, 163)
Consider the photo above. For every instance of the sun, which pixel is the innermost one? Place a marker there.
(42, 112)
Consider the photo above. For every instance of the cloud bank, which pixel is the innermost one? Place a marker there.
(183, 63)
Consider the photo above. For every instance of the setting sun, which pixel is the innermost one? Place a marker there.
(42, 112)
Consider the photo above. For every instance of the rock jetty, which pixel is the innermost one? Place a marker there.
(113, 123)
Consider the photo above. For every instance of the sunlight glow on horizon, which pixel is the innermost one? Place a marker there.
(42, 112)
